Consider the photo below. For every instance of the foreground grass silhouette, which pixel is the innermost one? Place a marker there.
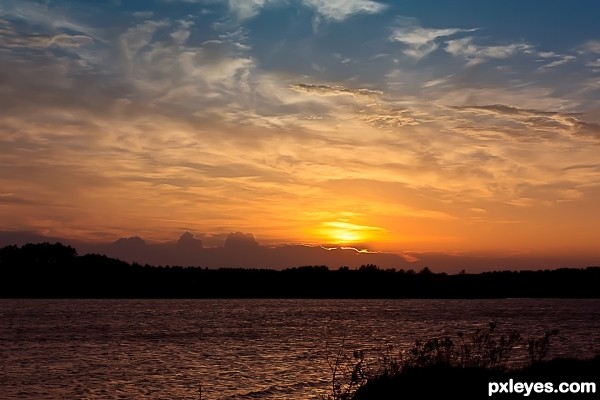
(452, 382)
(482, 364)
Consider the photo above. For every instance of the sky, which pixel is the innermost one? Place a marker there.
(460, 129)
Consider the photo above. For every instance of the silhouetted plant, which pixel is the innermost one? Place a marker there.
(486, 349)
(483, 349)
(438, 351)
(538, 348)
(342, 366)
(351, 371)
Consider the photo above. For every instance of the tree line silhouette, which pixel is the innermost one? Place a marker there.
(56, 271)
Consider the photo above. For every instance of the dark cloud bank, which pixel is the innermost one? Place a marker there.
(239, 250)
(242, 250)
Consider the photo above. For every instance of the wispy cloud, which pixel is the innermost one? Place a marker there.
(560, 60)
(143, 14)
(477, 54)
(592, 46)
(248, 8)
(61, 40)
(594, 65)
(339, 10)
(333, 10)
(420, 41)
(160, 62)
(335, 90)
(47, 17)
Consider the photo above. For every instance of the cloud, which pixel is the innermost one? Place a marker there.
(138, 37)
(595, 167)
(238, 241)
(420, 41)
(437, 82)
(589, 129)
(595, 65)
(503, 109)
(143, 14)
(334, 10)
(589, 52)
(238, 250)
(62, 40)
(393, 120)
(55, 48)
(592, 46)
(216, 70)
(339, 10)
(560, 61)
(430, 145)
(245, 9)
(182, 33)
(477, 54)
(10, 198)
(326, 90)
(49, 18)
(544, 124)
(62, 118)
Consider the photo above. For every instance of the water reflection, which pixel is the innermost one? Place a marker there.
(238, 349)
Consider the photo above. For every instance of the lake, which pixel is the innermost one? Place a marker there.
(241, 349)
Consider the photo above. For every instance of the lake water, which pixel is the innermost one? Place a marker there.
(240, 349)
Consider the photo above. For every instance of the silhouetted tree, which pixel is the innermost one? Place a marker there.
(425, 271)
(369, 267)
(55, 270)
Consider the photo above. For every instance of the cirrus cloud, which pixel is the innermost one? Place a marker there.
(420, 41)
(477, 54)
(334, 10)
(339, 10)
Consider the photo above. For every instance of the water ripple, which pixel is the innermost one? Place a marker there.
(238, 349)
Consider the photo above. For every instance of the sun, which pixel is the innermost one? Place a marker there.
(341, 232)
(345, 236)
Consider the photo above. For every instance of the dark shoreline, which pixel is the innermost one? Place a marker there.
(56, 271)
(441, 381)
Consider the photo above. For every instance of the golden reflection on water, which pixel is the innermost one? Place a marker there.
(237, 349)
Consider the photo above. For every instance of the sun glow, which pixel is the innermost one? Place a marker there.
(340, 232)
(344, 236)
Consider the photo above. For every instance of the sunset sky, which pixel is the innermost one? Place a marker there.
(463, 127)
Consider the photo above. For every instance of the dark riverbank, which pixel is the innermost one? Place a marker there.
(56, 271)
(484, 363)
(451, 382)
